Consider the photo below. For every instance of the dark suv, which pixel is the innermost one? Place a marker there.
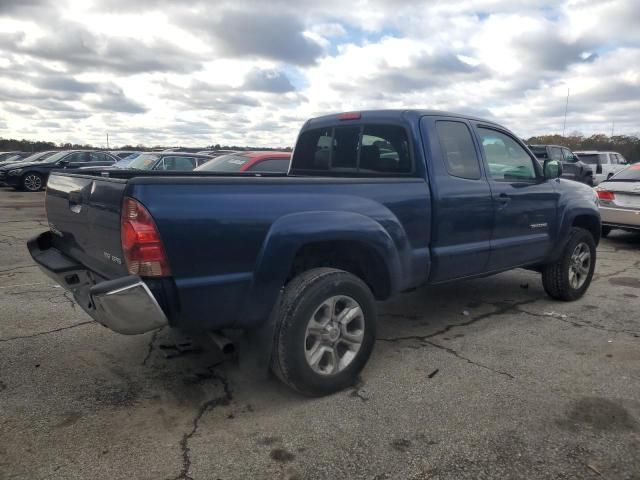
(572, 167)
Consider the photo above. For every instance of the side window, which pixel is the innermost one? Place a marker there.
(622, 160)
(556, 154)
(177, 163)
(506, 159)
(77, 157)
(605, 159)
(457, 148)
(270, 165)
(384, 149)
(98, 157)
(569, 156)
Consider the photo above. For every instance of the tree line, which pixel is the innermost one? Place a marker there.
(626, 145)
(12, 144)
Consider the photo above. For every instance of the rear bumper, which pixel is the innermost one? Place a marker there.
(620, 217)
(125, 305)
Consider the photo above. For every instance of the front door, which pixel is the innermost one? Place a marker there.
(524, 203)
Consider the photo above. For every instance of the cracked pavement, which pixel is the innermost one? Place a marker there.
(482, 379)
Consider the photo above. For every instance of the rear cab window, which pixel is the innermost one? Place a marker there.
(370, 149)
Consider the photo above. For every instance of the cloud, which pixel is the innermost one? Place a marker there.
(239, 72)
(244, 34)
(271, 81)
(79, 49)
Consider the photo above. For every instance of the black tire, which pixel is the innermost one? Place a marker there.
(32, 182)
(301, 298)
(605, 231)
(555, 276)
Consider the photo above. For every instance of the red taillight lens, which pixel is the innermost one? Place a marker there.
(605, 195)
(141, 243)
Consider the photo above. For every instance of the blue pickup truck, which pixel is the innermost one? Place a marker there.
(374, 203)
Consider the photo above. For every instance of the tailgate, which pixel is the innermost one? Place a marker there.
(84, 216)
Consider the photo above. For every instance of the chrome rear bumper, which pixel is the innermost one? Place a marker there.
(125, 305)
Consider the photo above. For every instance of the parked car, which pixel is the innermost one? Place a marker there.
(6, 155)
(32, 176)
(162, 161)
(619, 198)
(255, 162)
(121, 154)
(375, 203)
(606, 164)
(216, 153)
(572, 167)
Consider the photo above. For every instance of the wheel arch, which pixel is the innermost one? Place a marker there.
(302, 241)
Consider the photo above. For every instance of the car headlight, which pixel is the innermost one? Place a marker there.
(17, 171)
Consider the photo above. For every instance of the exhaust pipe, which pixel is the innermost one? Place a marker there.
(225, 345)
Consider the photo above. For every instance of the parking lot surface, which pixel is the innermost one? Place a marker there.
(483, 379)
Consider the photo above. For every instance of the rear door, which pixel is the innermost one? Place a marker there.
(462, 207)
(524, 204)
(84, 216)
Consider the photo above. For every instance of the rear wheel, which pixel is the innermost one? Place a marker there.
(569, 277)
(605, 231)
(32, 182)
(325, 331)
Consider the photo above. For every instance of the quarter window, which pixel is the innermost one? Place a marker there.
(457, 147)
(506, 159)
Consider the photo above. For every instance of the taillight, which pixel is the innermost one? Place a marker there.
(606, 195)
(349, 116)
(141, 244)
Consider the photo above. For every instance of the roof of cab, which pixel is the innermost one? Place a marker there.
(391, 115)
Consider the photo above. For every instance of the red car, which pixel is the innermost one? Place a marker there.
(253, 162)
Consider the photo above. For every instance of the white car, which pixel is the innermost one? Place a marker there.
(619, 200)
(606, 164)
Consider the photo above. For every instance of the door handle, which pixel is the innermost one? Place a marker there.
(503, 200)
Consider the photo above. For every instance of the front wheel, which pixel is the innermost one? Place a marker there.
(325, 331)
(568, 278)
(32, 182)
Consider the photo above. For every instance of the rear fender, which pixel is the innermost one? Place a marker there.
(292, 232)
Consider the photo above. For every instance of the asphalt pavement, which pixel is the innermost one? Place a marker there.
(482, 379)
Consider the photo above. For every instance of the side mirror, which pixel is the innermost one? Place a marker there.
(63, 163)
(552, 169)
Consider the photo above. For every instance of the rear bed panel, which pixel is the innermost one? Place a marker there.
(84, 215)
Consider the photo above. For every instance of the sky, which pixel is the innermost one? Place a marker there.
(250, 72)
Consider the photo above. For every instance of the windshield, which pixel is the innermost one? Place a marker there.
(629, 174)
(591, 158)
(145, 161)
(224, 163)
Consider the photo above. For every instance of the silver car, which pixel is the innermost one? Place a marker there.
(619, 199)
